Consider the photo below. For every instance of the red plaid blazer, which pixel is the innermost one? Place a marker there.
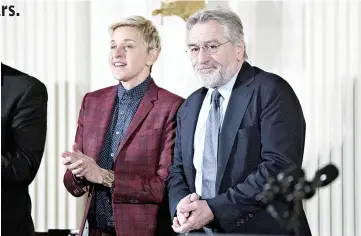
(143, 158)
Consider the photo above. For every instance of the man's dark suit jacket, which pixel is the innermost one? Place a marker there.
(23, 131)
(263, 133)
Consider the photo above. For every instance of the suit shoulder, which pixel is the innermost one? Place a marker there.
(268, 80)
(22, 80)
(193, 95)
(168, 96)
(100, 92)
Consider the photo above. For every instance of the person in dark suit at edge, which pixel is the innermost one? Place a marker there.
(23, 133)
(244, 126)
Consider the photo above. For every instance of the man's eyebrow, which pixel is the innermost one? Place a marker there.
(211, 41)
(205, 42)
(192, 45)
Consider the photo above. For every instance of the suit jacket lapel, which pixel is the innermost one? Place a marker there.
(189, 122)
(236, 108)
(106, 107)
(144, 108)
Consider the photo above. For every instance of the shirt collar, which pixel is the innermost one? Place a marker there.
(136, 92)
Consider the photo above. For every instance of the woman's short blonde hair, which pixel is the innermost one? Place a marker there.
(148, 31)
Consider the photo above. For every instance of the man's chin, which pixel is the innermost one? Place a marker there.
(209, 82)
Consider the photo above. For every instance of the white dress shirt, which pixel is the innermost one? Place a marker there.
(200, 133)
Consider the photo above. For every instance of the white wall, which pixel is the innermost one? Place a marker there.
(315, 46)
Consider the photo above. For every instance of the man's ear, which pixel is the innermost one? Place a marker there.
(240, 50)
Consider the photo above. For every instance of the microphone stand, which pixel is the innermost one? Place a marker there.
(289, 220)
(291, 188)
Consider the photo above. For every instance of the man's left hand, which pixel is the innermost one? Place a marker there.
(200, 215)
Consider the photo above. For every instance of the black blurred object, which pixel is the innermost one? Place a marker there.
(202, 234)
(58, 232)
(291, 188)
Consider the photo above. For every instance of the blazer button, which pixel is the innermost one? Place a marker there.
(251, 215)
(242, 221)
(238, 223)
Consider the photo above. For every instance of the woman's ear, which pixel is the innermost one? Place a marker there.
(152, 56)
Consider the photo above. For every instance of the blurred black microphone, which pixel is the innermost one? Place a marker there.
(291, 184)
(289, 178)
(323, 177)
(291, 187)
(276, 189)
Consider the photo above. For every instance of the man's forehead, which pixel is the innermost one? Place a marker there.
(205, 32)
(205, 38)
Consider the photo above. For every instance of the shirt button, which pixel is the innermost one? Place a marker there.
(117, 132)
(122, 112)
(112, 154)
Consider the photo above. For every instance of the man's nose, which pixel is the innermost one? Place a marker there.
(202, 56)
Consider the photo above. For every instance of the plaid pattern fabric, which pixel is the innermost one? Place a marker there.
(142, 160)
(101, 210)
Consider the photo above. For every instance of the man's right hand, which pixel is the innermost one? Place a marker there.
(182, 217)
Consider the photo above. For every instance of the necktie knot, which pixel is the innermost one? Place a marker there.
(215, 97)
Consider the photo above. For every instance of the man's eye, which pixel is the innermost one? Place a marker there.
(212, 46)
(112, 46)
(194, 49)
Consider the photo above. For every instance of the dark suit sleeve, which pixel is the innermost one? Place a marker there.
(282, 129)
(19, 167)
(177, 187)
(150, 190)
(74, 185)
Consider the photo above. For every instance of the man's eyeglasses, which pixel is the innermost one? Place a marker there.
(208, 49)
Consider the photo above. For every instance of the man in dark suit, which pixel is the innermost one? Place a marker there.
(244, 126)
(23, 132)
(125, 141)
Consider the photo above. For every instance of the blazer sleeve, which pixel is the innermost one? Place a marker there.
(76, 186)
(282, 128)
(150, 190)
(19, 167)
(177, 184)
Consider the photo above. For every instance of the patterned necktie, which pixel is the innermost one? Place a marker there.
(209, 167)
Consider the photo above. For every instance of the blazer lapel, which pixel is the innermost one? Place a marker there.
(106, 106)
(144, 108)
(236, 108)
(189, 121)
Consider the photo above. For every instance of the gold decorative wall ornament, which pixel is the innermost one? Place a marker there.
(183, 9)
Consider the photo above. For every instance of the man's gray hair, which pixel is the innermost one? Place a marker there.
(229, 20)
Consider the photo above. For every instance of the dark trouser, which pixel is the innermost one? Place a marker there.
(98, 232)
